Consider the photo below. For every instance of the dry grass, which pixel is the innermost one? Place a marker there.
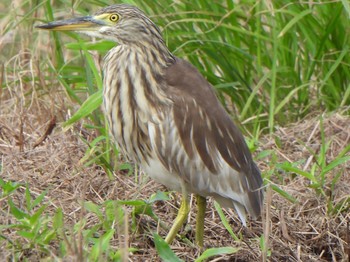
(303, 231)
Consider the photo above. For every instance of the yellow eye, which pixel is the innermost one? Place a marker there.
(113, 18)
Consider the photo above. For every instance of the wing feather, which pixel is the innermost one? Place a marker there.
(205, 128)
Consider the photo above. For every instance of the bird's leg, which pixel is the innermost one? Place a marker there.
(201, 204)
(181, 216)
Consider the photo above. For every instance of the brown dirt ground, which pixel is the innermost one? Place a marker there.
(300, 231)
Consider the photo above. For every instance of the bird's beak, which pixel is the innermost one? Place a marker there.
(85, 23)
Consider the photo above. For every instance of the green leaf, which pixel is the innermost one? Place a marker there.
(164, 251)
(136, 202)
(57, 221)
(346, 5)
(78, 227)
(145, 210)
(224, 221)
(117, 256)
(92, 207)
(101, 246)
(294, 21)
(91, 104)
(97, 46)
(38, 200)
(141, 207)
(283, 193)
(263, 246)
(28, 198)
(26, 234)
(310, 176)
(16, 212)
(91, 67)
(30, 203)
(158, 196)
(114, 214)
(217, 252)
(335, 163)
(7, 187)
(37, 215)
(47, 236)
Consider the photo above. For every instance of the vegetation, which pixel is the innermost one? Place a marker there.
(282, 69)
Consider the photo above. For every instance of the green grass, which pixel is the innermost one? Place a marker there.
(272, 63)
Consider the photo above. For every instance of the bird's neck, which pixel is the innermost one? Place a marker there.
(134, 92)
(140, 66)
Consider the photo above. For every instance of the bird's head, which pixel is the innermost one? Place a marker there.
(122, 23)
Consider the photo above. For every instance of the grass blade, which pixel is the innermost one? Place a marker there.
(224, 221)
(91, 104)
(217, 252)
(164, 251)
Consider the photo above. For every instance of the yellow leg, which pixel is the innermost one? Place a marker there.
(179, 220)
(201, 204)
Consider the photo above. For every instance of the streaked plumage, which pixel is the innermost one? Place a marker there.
(165, 116)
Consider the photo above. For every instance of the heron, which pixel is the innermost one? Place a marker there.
(165, 117)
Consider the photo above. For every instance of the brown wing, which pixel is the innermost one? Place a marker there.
(205, 128)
